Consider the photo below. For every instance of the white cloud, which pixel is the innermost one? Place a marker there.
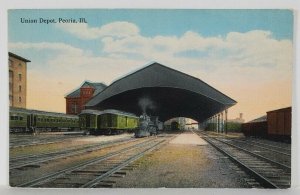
(232, 63)
(115, 29)
(59, 47)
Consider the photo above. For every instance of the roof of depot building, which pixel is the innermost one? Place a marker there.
(165, 92)
(97, 86)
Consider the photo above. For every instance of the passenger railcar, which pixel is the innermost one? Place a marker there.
(19, 120)
(26, 120)
(107, 121)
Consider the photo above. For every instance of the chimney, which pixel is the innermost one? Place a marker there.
(241, 115)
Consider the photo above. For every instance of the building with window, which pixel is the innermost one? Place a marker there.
(17, 80)
(76, 100)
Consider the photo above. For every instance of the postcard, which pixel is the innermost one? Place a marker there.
(150, 98)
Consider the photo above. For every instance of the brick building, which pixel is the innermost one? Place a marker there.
(17, 80)
(76, 100)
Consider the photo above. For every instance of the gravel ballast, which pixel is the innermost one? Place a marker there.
(185, 162)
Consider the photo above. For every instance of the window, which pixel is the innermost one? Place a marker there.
(10, 62)
(10, 86)
(74, 108)
(20, 99)
(20, 88)
(20, 77)
(20, 65)
(11, 74)
(13, 118)
(10, 100)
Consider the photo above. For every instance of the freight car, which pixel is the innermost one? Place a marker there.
(279, 123)
(26, 120)
(107, 121)
(275, 125)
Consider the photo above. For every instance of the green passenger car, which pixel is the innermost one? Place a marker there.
(31, 120)
(107, 121)
(18, 119)
(88, 120)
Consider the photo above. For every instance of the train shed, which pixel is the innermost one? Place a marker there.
(164, 92)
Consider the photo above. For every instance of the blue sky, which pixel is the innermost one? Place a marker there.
(154, 22)
(224, 48)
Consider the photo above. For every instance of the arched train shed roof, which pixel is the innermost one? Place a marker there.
(166, 92)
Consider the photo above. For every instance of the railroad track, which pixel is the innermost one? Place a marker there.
(93, 173)
(275, 147)
(35, 159)
(268, 147)
(42, 141)
(281, 156)
(267, 172)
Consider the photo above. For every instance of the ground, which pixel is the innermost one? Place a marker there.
(185, 162)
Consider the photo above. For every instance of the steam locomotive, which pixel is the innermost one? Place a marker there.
(148, 126)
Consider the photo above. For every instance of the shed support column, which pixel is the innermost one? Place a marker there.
(222, 122)
(216, 120)
(215, 124)
(226, 112)
(218, 123)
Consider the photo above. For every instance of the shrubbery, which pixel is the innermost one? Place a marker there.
(231, 127)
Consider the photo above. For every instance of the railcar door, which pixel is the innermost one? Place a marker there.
(88, 121)
(28, 121)
(33, 120)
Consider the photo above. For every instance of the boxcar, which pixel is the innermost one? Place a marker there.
(255, 129)
(279, 122)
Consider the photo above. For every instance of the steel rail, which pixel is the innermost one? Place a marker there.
(288, 150)
(65, 153)
(251, 153)
(256, 155)
(56, 174)
(260, 178)
(95, 181)
(39, 142)
(259, 143)
(252, 144)
(21, 157)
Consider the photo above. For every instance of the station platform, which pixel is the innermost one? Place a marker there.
(188, 138)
